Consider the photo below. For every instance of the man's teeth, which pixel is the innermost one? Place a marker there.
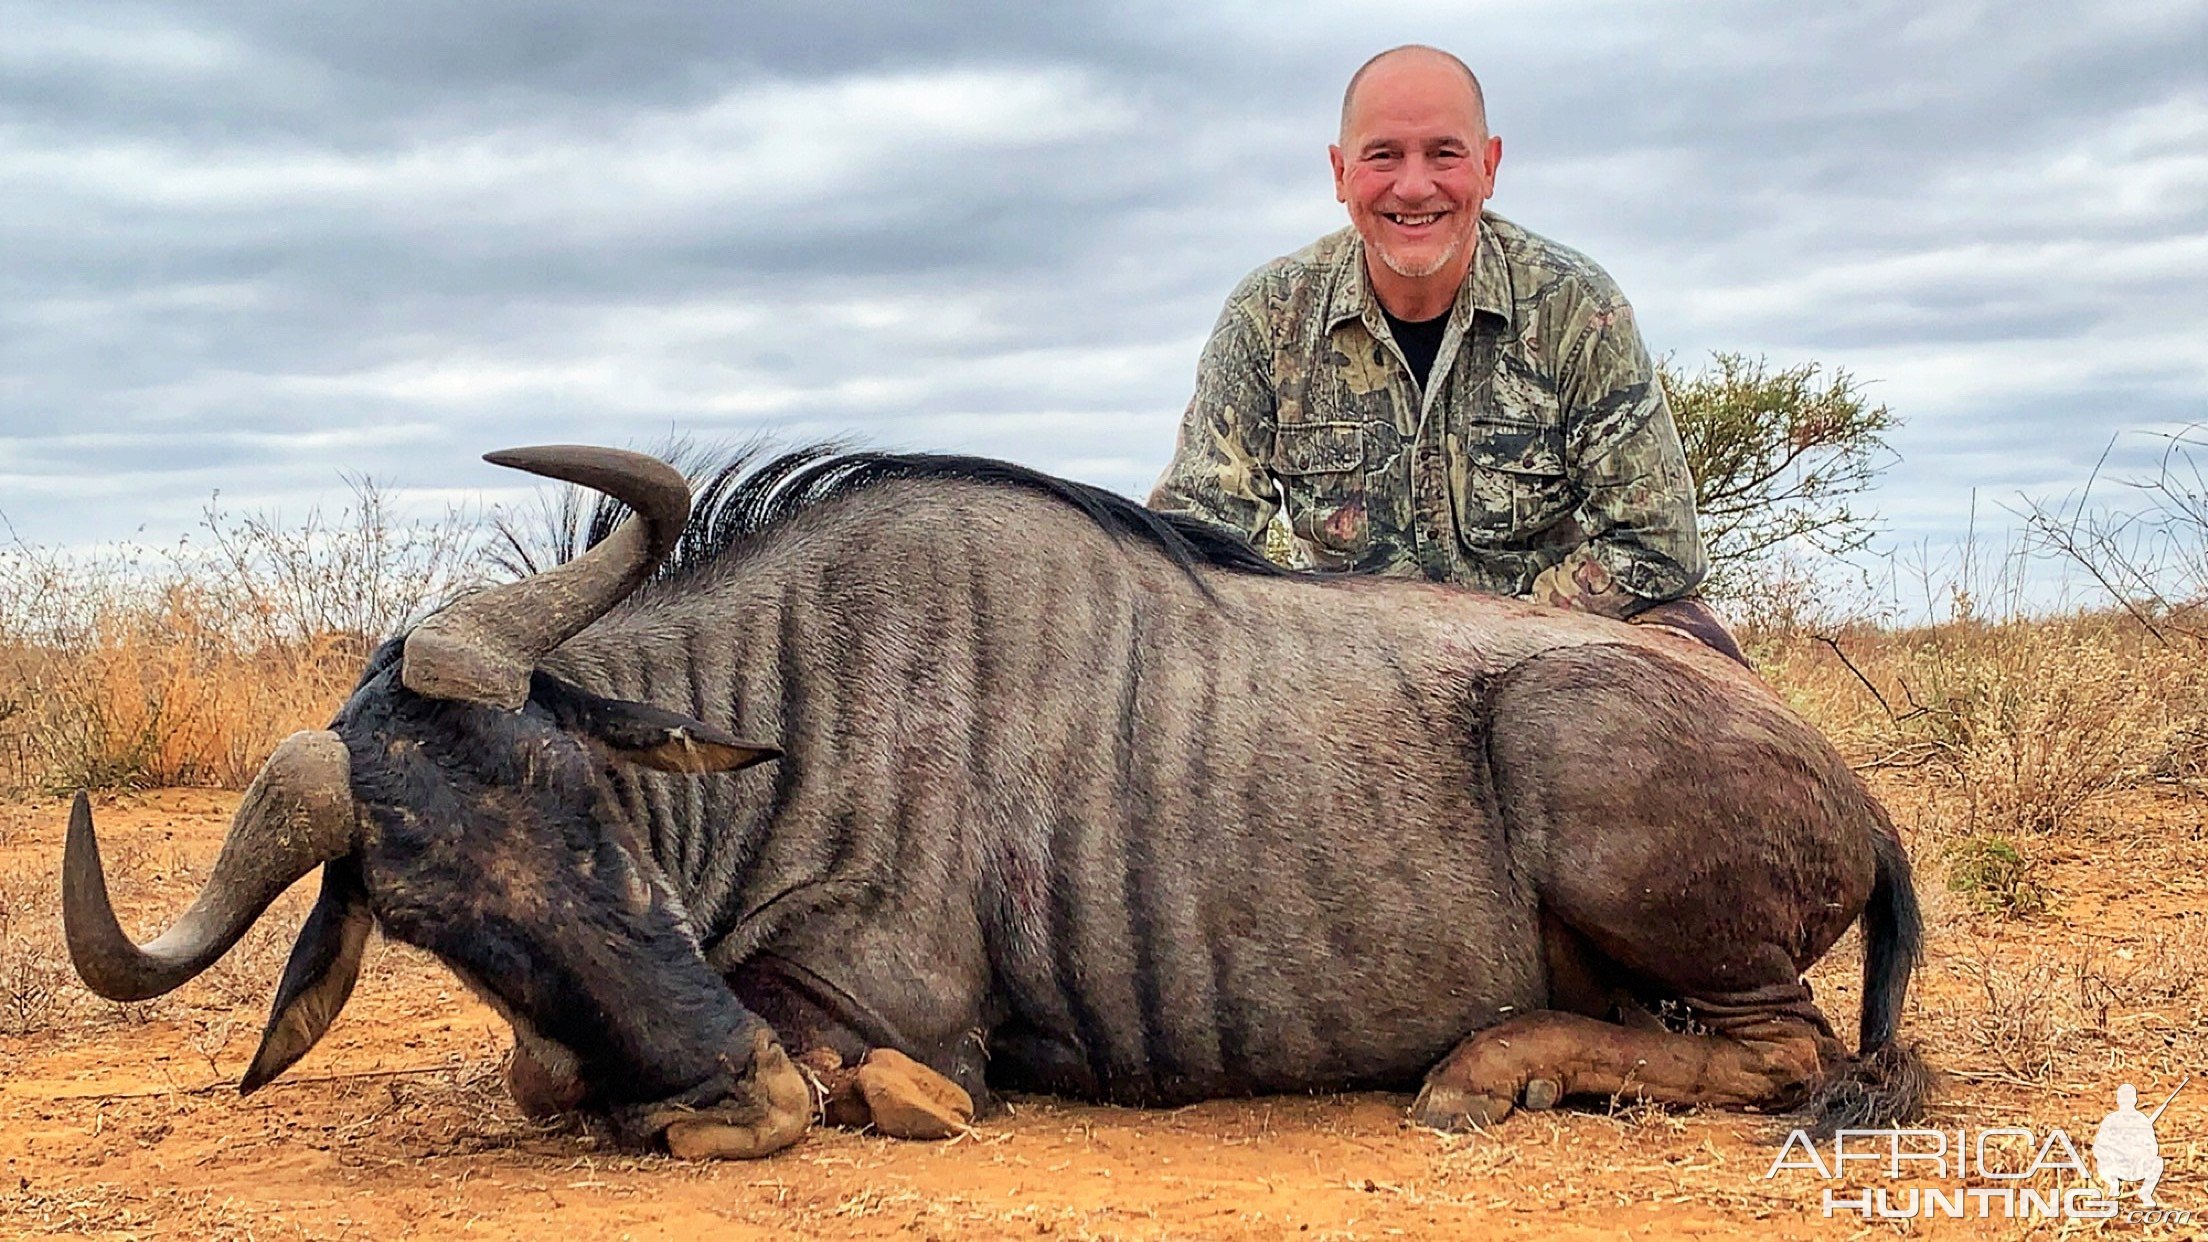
(1415, 221)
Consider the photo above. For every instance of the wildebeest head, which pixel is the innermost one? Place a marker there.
(461, 798)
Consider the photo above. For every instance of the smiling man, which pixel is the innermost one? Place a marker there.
(1436, 390)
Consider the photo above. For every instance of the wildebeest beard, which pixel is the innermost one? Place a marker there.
(1052, 792)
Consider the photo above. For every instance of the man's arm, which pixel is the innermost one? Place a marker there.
(1218, 471)
(1623, 449)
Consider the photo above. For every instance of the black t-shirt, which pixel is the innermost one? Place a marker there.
(1420, 341)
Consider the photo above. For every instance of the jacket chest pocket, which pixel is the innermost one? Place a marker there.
(1508, 481)
(1321, 467)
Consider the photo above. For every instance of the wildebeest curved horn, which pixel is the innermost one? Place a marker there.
(482, 649)
(297, 814)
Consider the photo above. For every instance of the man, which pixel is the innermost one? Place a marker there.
(1438, 391)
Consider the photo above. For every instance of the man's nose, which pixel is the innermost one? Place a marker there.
(1415, 182)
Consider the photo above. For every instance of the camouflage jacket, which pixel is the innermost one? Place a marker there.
(1540, 459)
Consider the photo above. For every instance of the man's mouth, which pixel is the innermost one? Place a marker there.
(1411, 220)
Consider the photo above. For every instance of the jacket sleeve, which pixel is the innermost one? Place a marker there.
(1218, 472)
(1624, 454)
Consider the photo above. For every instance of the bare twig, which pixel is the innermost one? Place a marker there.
(2152, 560)
(2062, 536)
(1835, 645)
(212, 1087)
(1924, 753)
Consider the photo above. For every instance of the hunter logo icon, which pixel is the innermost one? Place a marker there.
(2011, 1172)
(2124, 1148)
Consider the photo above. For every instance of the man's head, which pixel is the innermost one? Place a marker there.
(1415, 164)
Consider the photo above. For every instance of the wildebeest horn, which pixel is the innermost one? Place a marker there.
(482, 649)
(297, 814)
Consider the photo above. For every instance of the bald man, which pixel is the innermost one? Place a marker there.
(1436, 391)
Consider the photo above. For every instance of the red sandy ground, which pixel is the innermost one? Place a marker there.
(121, 1121)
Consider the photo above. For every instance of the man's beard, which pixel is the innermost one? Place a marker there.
(1408, 272)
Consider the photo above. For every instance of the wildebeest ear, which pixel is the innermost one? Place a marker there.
(641, 733)
(319, 977)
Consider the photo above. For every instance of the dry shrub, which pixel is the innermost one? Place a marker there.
(2036, 720)
(2025, 722)
(246, 976)
(37, 991)
(35, 982)
(2167, 968)
(126, 669)
(16, 903)
(158, 693)
(2023, 1019)
(2183, 760)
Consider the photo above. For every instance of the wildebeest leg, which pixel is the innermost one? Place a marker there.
(1583, 980)
(889, 1092)
(542, 1077)
(862, 1077)
(1537, 1059)
(1699, 843)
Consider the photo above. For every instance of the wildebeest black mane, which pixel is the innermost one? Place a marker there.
(745, 496)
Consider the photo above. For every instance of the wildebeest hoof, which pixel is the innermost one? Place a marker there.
(773, 1109)
(770, 1109)
(837, 1085)
(1541, 1094)
(1453, 1109)
(908, 1100)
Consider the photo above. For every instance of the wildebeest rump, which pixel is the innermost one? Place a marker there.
(1047, 791)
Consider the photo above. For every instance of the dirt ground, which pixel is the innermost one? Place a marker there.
(121, 1121)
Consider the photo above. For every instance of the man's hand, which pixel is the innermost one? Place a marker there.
(1580, 583)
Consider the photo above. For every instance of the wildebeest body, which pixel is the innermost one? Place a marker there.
(1035, 784)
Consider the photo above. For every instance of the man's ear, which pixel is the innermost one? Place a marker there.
(642, 733)
(1334, 159)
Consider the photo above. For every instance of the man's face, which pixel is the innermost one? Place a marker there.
(1415, 165)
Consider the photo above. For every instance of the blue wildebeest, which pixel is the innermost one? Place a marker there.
(1045, 791)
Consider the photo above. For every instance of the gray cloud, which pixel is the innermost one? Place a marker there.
(250, 246)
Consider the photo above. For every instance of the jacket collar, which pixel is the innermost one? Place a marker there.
(1486, 288)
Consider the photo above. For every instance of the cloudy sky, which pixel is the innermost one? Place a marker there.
(249, 246)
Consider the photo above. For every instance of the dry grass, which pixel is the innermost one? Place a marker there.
(2033, 1014)
(130, 669)
(37, 989)
(127, 669)
(2022, 725)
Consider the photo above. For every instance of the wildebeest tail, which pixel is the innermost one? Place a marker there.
(1893, 939)
(1887, 1082)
